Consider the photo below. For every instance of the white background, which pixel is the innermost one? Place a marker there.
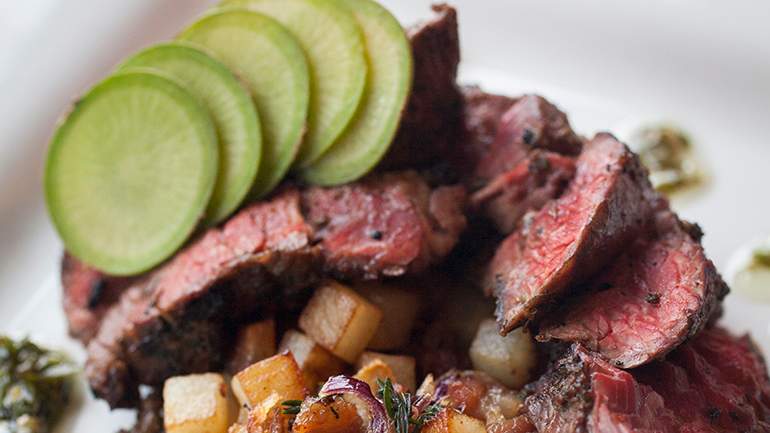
(609, 64)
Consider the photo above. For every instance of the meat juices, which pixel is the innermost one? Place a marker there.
(605, 207)
(662, 291)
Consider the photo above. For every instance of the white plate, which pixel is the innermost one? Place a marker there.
(610, 65)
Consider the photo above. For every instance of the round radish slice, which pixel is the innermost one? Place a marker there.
(231, 109)
(269, 60)
(334, 47)
(130, 172)
(370, 133)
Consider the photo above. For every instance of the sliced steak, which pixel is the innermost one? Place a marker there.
(181, 319)
(482, 114)
(87, 294)
(715, 383)
(571, 238)
(432, 121)
(537, 179)
(530, 123)
(658, 293)
(384, 226)
(177, 322)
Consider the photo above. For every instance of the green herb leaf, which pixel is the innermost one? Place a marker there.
(291, 407)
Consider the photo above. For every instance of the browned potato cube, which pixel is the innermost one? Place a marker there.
(237, 428)
(254, 342)
(399, 309)
(452, 421)
(403, 367)
(197, 403)
(269, 382)
(375, 370)
(340, 320)
(317, 363)
(508, 359)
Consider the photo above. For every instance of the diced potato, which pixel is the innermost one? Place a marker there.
(237, 428)
(509, 359)
(317, 363)
(269, 382)
(452, 421)
(334, 415)
(197, 403)
(399, 309)
(340, 320)
(254, 342)
(403, 367)
(374, 370)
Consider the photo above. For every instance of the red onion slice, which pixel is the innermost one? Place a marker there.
(358, 393)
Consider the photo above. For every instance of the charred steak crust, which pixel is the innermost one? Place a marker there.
(179, 321)
(432, 120)
(384, 226)
(87, 294)
(604, 208)
(176, 323)
(715, 383)
(662, 291)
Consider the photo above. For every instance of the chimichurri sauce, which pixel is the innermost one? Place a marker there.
(667, 152)
(35, 386)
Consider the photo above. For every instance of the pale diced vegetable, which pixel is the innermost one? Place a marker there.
(316, 363)
(237, 428)
(403, 367)
(340, 320)
(267, 383)
(254, 342)
(508, 359)
(452, 421)
(399, 309)
(197, 403)
(373, 371)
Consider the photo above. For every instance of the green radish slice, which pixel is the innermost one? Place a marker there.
(130, 172)
(268, 59)
(231, 109)
(370, 133)
(334, 47)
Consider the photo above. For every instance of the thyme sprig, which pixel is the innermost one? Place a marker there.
(399, 406)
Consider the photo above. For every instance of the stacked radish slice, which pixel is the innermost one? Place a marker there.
(184, 132)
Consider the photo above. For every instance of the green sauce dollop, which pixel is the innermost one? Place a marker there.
(667, 152)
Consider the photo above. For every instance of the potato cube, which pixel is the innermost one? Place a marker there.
(340, 320)
(269, 382)
(254, 342)
(403, 367)
(452, 421)
(197, 403)
(237, 428)
(316, 363)
(373, 371)
(509, 359)
(399, 310)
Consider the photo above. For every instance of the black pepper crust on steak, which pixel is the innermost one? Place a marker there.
(180, 320)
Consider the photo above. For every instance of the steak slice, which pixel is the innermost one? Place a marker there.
(87, 294)
(181, 319)
(662, 291)
(384, 226)
(177, 322)
(530, 123)
(571, 238)
(432, 120)
(537, 179)
(714, 383)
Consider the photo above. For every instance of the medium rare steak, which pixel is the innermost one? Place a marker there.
(482, 114)
(530, 123)
(384, 226)
(176, 323)
(715, 383)
(537, 179)
(181, 319)
(432, 120)
(571, 238)
(87, 294)
(658, 293)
